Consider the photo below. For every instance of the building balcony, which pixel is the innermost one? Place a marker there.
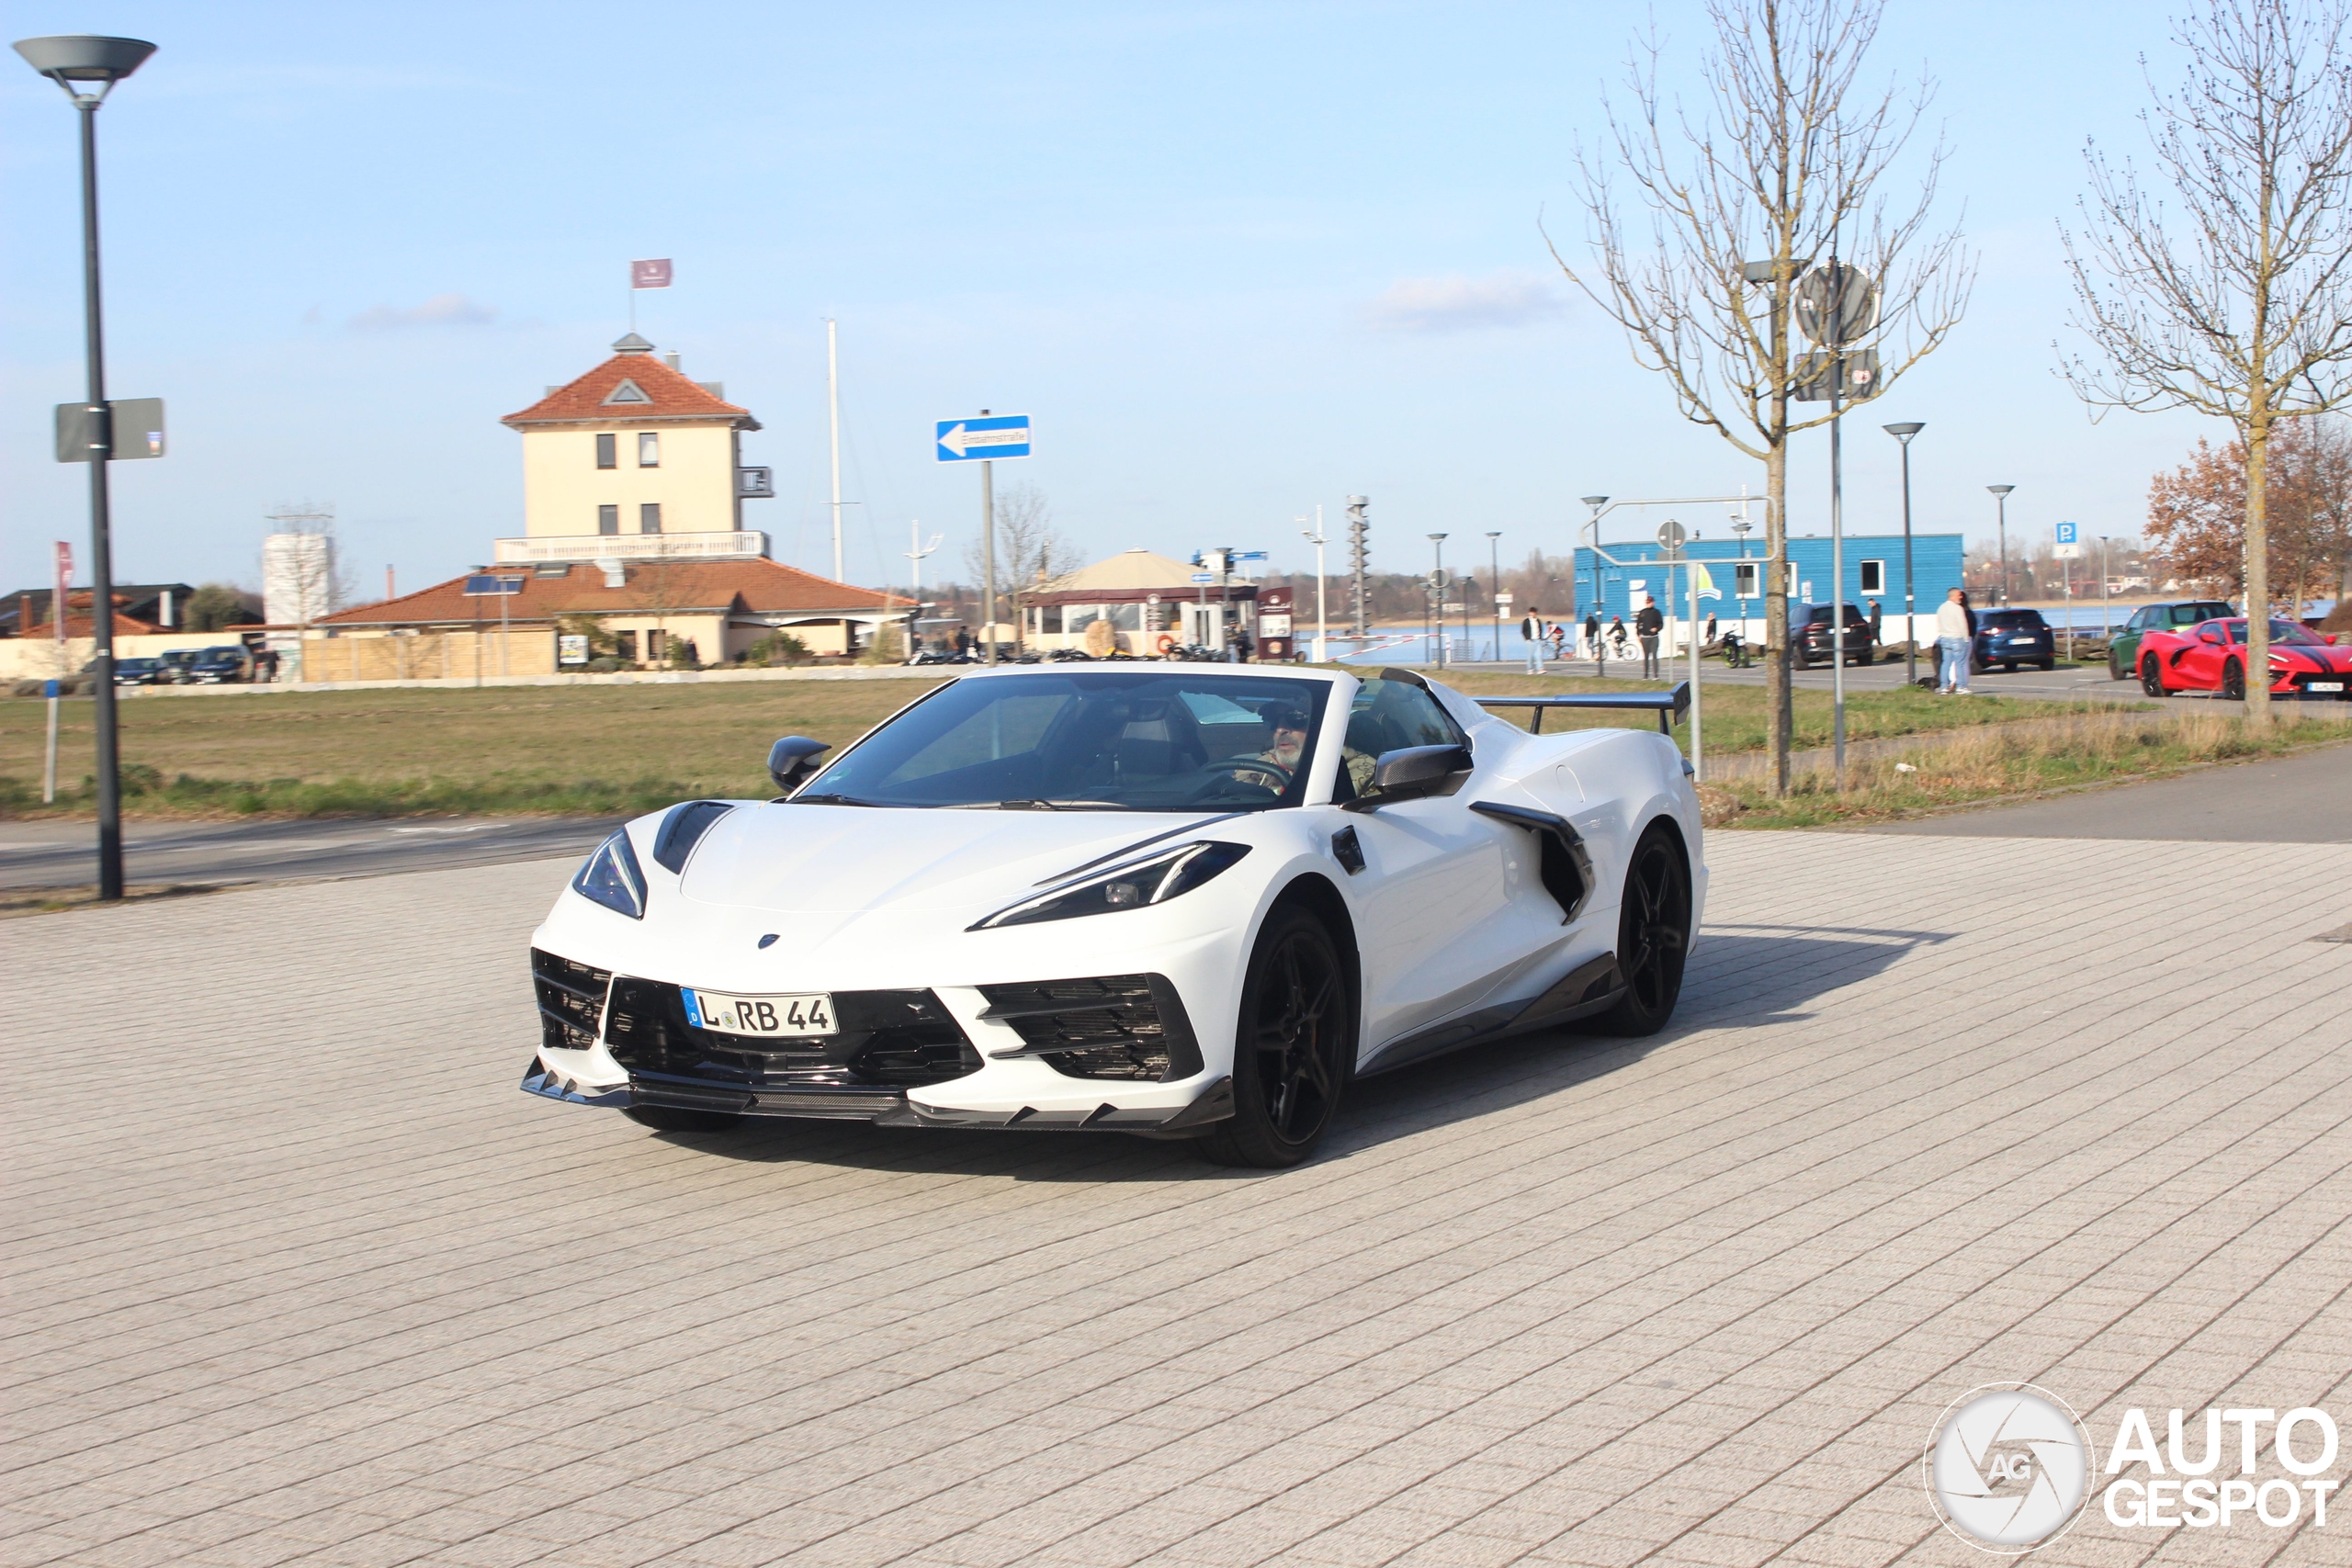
(552, 547)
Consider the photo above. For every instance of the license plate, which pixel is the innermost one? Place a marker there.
(2324, 686)
(809, 1013)
(2020, 642)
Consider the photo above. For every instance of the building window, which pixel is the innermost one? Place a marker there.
(608, 455)
(1747, 578)
(1049, 619)
(608, 520)
(1873, 577)
(649, 449)
(649, 517)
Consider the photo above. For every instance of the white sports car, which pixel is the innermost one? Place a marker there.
(1186, 901)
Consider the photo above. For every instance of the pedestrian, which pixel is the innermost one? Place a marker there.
(1531, 631)
(1711, 630)
(1243, 647)
(1649, 623)
(1955, 634)
(1878, 618)
(1592, 632)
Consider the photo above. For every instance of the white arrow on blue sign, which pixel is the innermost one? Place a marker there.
(968, 440)
(2068, 533)
(1205, 577)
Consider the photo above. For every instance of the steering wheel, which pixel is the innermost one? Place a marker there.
(1234, 766)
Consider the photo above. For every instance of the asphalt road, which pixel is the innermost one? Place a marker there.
(2302, 800)
(64, 854)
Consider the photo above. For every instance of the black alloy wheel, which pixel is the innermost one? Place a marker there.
(1653, 935)
(679, 1119)
(2151, 677)
(1293, 1048)
(2233, 681)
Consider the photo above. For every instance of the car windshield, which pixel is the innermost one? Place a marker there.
(1118, 741)
(2191, 615)
(2280, 631)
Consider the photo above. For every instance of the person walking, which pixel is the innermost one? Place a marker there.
(1593, 633)
(1711, 630)
(1531, 628)
(1955, 633)
(1649, 623)
(1878, 618)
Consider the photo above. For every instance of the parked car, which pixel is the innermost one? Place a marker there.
(221, 666)
(139, 673)
(2211, 658)
(2123, 652)
(174, 665)
(2011, 637)
(1193, 902)
(1811, 636)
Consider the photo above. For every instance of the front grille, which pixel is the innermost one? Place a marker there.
(1113, 1026)
(572, 1000)
(887, 1039)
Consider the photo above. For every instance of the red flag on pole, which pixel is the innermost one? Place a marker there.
(650, 274)
(64, 580)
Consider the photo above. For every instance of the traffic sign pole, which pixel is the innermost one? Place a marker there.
(988, 560)
(983, 440)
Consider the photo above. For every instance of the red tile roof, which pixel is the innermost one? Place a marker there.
(87, 626)
(679, 588)
(668, 394)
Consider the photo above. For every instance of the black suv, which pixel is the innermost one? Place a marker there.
(2011, 637)
(1810, 635)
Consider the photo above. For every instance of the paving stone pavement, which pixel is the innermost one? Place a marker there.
(293, 1274)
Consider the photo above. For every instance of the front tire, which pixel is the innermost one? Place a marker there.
(1653, 935)
(678, 1119)
(1292, 1046)
(2151, 677)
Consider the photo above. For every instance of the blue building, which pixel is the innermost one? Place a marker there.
(1873, 570)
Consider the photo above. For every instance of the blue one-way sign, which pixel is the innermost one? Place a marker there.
(968, 440)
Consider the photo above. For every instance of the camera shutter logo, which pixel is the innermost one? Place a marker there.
(2008, 1467)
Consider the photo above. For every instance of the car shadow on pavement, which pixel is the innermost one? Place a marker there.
(1738, 976)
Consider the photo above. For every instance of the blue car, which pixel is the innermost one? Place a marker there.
(2011, 637)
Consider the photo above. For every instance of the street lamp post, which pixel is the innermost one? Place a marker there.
(1596, 503)
(1315, 536)
(1437, 594)
(2001, 493)
(72, 62)
(1494, 586)
(2106, 626)
(1903, 433)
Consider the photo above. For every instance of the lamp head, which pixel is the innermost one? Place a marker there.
(2000, 489)
(1435, 538)
(79, 58)
(1903, 433)
(1596, 501)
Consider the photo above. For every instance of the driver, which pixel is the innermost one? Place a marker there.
(1288, 725)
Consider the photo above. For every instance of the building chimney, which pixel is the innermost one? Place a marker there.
(670, 358)
(615, 574)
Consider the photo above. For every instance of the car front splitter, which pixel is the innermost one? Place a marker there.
(882, 1106)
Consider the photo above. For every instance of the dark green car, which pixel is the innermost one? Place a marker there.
(2123, 652)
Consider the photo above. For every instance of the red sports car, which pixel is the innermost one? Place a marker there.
(2210, 657)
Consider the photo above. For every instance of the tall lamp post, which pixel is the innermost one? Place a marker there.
(1494, 586)
(1903, 433)
(1437, 594)
(1595, 502)
(2001, 494)
(1315, 536)
(87, 68)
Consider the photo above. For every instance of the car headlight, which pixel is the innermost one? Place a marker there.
(613, 878)
(1136, 885)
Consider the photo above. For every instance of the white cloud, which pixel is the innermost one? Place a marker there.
(441, 311)
(1453, 304)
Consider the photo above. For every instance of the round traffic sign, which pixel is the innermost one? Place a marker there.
(1671, 536)
(1835, 303)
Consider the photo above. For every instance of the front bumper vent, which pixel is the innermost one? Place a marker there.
(572, 1000)
(896, 1040)
(1114, 1026)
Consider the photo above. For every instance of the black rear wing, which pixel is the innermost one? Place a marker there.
(1669, 706)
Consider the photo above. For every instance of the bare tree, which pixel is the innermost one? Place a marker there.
(1732, 204)
(2239, 303)
(1029, 549)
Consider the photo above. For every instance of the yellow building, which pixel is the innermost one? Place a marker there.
(632, 462)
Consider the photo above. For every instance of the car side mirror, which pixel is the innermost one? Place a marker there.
(793, 760)
(1411, 772)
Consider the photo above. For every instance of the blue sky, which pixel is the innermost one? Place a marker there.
(1235, 259)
